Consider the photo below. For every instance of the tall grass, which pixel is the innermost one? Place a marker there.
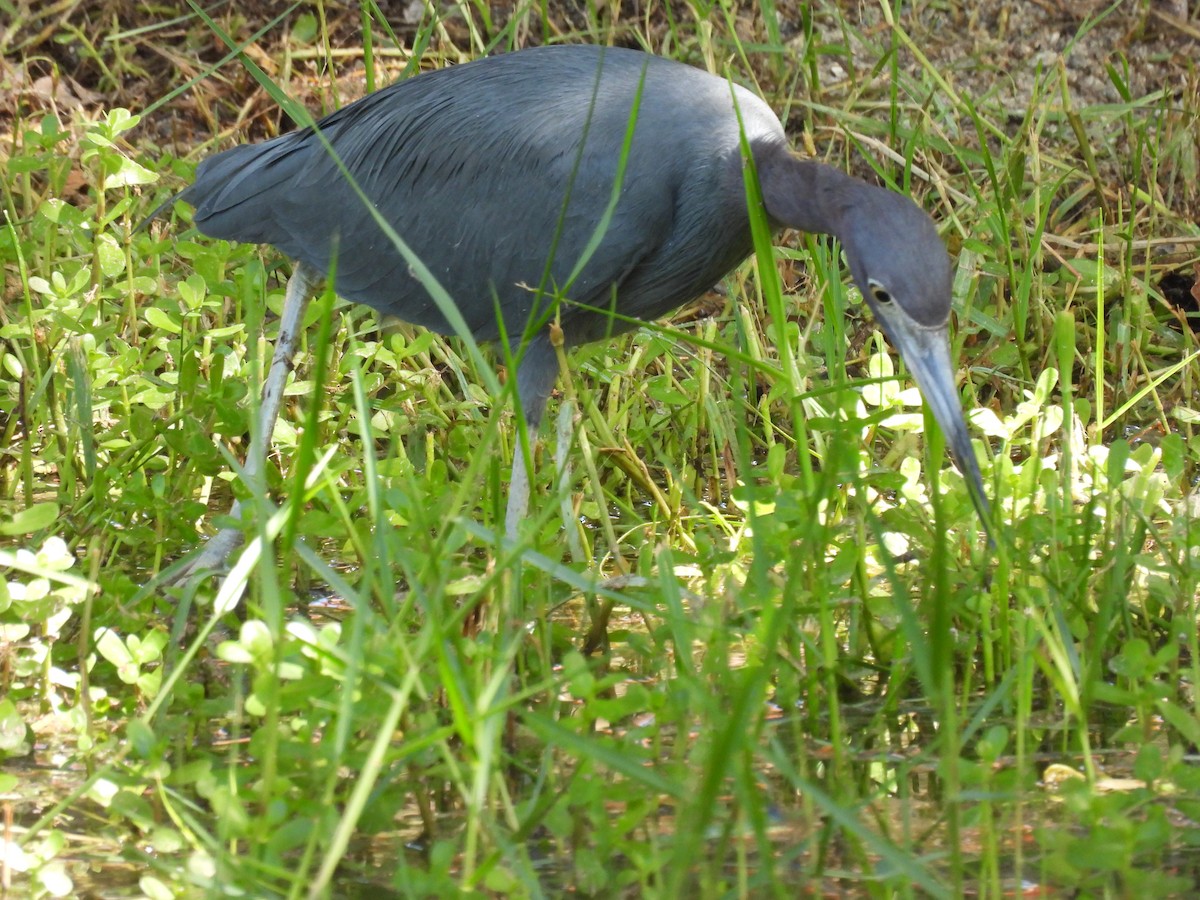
(818, 674)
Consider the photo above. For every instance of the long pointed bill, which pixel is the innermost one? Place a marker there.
(926, 352)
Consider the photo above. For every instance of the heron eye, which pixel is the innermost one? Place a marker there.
(880, 293)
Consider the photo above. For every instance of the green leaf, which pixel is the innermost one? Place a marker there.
(129, 173)
(141, 738)
(110, 256)
(112, 648)
(1183, 721)
(13, 731)
(38, 517)
(162, 320)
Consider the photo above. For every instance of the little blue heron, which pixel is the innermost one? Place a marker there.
(497, 174)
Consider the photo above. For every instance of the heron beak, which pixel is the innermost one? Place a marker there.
(926, 352)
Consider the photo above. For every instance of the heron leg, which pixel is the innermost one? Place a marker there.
(518, 484)
(299, 291)
(536, 374)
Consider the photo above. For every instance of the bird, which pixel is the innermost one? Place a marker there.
(596, 186)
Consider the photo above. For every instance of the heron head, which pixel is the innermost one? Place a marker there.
(900, 264)
(896, 256)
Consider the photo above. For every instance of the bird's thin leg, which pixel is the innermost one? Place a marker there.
(518, 485)
(536, 374)
(299, 290)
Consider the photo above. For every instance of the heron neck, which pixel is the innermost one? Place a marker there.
(800, 193)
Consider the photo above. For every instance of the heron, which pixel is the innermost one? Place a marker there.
(496, 175)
